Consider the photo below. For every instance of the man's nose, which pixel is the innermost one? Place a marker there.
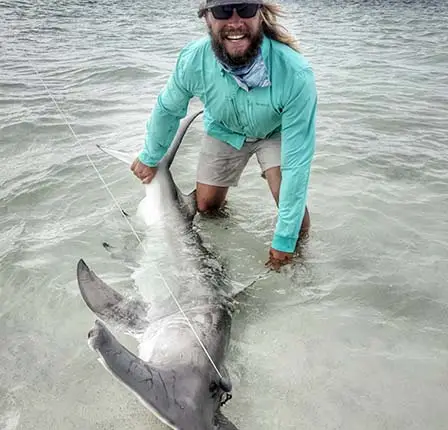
(235, 18)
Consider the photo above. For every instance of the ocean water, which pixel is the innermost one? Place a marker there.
(353, 336)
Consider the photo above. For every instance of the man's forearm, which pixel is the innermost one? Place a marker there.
(291, 209)
(161, 128)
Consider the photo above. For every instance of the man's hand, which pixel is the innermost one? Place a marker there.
(278, 259)
(143, 172)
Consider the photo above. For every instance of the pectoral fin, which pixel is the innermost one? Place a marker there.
(155, 388)
(223, 423)
(108, 304)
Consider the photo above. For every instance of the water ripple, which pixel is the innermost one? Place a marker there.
(372, 281)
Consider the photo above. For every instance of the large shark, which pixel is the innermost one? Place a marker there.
(181, 381)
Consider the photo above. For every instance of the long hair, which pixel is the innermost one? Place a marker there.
(269, 16)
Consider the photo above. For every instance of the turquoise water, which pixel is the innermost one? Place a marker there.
(352, 337)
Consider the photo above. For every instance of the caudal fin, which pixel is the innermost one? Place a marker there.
(167, 160)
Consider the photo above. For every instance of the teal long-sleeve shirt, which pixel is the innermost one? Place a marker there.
(232, 114)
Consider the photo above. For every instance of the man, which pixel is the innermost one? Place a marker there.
(259, 97)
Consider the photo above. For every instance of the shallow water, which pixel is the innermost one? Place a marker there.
(354, 336)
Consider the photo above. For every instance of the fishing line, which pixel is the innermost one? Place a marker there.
(126, 218)
(63, 116)
(117, 204)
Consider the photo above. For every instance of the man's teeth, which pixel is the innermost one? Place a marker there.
(236, 37)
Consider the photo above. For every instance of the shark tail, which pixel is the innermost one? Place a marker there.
(168, 158)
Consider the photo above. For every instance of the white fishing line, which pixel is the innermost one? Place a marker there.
(37, 73)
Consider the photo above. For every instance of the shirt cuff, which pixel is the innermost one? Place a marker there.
(284, 244)
(147, 160)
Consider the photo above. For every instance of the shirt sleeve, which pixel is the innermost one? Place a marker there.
(170, 108)
(297, 150)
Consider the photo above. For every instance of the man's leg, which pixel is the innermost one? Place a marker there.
(219, 167)
(210, 197)
(274, 178)
(269, 158)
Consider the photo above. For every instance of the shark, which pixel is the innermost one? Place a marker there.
(179, 370)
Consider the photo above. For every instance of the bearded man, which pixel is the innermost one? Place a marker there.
(259, 98)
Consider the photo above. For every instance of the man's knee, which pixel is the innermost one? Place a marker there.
(207, 206)
(209, 197)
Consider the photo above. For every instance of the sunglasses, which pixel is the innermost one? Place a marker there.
(244, 10)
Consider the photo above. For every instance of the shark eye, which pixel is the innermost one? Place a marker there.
(213, 388)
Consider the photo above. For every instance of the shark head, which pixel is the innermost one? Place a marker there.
(181, 398)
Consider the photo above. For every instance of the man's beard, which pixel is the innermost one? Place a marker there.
(236, 60)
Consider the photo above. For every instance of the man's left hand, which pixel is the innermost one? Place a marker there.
(278, 259)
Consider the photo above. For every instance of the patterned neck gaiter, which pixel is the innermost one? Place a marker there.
(250, 76)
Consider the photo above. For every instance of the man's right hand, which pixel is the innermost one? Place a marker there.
(143, 172)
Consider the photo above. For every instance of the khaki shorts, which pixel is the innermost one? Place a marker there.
(221, 165)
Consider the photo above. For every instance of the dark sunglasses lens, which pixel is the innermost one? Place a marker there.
(243, 10)
(247, 10)
(222, 12)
